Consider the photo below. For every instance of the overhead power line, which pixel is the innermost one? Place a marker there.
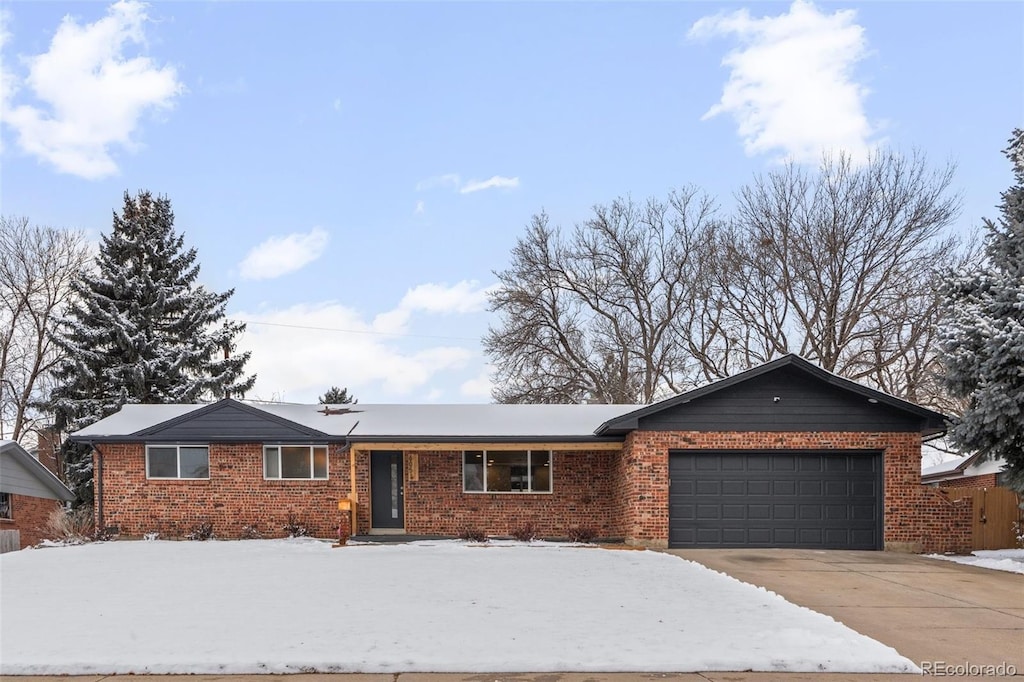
(357, 331)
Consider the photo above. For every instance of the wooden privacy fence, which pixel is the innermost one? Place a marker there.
(10, 541)
(997, 516)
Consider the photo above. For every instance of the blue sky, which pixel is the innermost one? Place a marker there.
(368, 166)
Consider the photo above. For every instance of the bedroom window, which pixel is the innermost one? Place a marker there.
(506, 471)
(294, 461)
(178, 461)
(5, 506)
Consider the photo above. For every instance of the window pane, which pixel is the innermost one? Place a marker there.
(319, 462)
(5, 506)
(271, 464)
(195, 462)
(163, 462)
(473, 470)
(295, 462)
(507, 471)
(540, 467)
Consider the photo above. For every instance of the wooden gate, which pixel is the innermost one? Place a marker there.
(997, 516)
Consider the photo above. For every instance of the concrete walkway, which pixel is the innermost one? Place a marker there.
(928, 610)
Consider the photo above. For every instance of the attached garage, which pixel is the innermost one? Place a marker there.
(798, 499)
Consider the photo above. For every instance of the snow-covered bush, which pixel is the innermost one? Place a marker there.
(203, 531)
(295, 528)
(250, 532)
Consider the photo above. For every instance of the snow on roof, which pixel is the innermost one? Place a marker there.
(132, 418)
(363, 422)
(408, 421)
(945, 467)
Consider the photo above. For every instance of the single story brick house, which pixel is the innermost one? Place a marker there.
(782, 455)
(29, 493)
(968, 471)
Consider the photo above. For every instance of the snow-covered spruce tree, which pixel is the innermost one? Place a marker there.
(983, 348)
(141, 330)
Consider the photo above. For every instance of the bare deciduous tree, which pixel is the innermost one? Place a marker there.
(36, 266)
(838, 264)
(841, 266)
(594, 316)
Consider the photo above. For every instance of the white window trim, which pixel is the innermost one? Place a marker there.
(311, 477)
(177, 460)
(529, 469)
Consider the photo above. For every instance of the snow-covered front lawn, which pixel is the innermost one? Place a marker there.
(1011, 560)
(267, 606)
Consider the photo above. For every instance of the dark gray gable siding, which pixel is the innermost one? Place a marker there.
(804, 404)
(229, 421)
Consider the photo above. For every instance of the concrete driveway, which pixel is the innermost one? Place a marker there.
(929, 610)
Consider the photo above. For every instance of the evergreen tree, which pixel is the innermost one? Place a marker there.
(337, 396)
(141, 330)
(984, 346)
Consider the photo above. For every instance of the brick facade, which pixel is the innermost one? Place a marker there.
(580, 497)
(916, 518)
(619, 494)
(29, 516)
(236, 494)
(982, 481)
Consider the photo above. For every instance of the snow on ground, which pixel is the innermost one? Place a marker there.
(276, 606)
(999, 559)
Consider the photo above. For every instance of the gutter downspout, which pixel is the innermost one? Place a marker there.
(98, 487)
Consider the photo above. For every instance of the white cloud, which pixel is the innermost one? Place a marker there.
(464, 297)
(337, 104)
(280, 255)
(298, 364)
(94, 95)
(791, 86)
(479, 387)
(438, 299)
(454, 181)
(495, 181)
(420, 209)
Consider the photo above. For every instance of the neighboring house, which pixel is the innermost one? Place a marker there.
(29, 493)
(783, 455)
(969, 471)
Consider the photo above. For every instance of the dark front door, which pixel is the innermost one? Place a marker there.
(820, 500)
(386, 489)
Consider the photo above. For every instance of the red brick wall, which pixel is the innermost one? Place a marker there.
(618, 494)
(982, 481)
(29, 516)
(236, 495)
(580, 496)
(915, 519)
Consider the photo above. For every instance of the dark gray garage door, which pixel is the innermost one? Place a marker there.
(821, 500)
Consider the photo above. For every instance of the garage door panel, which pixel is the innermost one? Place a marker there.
(863, 488)
(796, 499)
(734, 487)
(837, 488)
(811, 512)
(809, 487)
(863, 463)
(783, 487)
(759, 487)
(709, 487)
(784, 511)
